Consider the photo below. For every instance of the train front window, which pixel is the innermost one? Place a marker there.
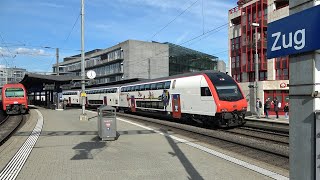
(229, 93)
(14, 92)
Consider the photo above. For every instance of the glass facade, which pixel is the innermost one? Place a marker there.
(109, 65)
(183, 60)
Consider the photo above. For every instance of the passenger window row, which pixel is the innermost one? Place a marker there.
(100, 91)
(146, 87)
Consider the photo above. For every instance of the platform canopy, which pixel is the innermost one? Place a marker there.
(37, 82)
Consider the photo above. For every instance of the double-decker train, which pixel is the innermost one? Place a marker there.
(14, 99)
(210, 97)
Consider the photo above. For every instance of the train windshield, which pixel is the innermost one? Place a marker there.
(14, 92)
(229, 93)
(226, 87)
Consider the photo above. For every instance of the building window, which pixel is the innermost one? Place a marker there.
(251, 76)
(263, 76)
(282, 68)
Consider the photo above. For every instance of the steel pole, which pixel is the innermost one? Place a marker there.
(82, 58)
(57, 56)
(256, 64)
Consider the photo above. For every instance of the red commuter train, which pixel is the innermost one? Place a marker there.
(14, 99)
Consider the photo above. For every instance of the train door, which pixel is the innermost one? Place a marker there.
(176, 106)
(133, 104)
(105, 100)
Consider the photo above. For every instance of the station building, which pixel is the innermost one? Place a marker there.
(11, 75)
(139, 59)
(273, 73)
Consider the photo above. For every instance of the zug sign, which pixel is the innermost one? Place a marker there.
(294, 34)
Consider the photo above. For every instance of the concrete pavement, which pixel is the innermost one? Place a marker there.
(70, 149)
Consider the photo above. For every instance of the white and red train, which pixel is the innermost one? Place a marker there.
(210, 97)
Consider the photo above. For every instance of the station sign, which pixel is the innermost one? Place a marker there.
(294, 34)
(66, 87)
(49, 87)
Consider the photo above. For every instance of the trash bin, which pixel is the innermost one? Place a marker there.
(60, 105)
(107, 126)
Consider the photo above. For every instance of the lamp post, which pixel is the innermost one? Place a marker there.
(256, 25)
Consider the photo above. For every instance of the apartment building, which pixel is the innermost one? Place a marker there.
(273, 74)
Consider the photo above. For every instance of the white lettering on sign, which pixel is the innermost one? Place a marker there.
(298, 38)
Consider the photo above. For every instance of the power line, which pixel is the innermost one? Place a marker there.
(72, 28)
(170, 22)
(174, 18)
(202, 19)
(74, 24)
(204, 34)
(6, 46)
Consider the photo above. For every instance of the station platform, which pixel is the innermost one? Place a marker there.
(271, 118)
(56, 145)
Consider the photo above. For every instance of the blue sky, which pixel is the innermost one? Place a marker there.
(29, 26)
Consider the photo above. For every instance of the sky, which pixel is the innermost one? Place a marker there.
(31, 30)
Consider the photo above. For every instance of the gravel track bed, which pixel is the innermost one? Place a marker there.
(257, 134)
(9, 126)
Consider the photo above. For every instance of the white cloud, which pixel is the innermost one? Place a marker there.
(32, 52)
(22, 51)
(4, 52)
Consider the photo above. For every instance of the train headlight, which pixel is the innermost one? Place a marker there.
(224, 110)
(244, 108)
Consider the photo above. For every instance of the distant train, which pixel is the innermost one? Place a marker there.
(210, 97)
(14, 99)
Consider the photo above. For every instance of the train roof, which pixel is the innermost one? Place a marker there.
(154, 80)
(176, 76)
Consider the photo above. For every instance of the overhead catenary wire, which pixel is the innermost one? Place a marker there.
(170, 22)
(74, 24)
(194, 38)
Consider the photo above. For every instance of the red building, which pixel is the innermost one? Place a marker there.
(273, 73)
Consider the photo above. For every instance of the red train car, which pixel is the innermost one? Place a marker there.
(14, 99)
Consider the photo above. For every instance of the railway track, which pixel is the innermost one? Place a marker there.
(269, 136)
(8, 125)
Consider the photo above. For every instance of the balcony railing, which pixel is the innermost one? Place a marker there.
(234, 10)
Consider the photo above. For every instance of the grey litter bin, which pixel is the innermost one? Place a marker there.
(107, 126)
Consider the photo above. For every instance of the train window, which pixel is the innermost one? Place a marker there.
(137, 88)
(160, 85)
(167, 84)
(132, 88)
(205, 91)
(124, 89)
(153, 86)
(14, 92)
(114, 90)
(147, 86)
(141, 87)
